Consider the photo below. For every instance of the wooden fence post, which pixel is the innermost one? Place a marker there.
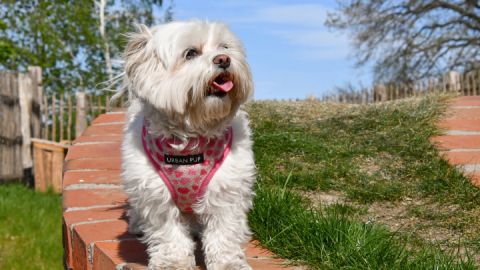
(69, 122)
(81, 117)
(25, 94)
(107, 103)
(35, 74)
(45, 113)
(10, 132)
(54, 118)
(453, 81)
(62, 119)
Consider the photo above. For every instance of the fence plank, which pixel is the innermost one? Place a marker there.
(62, 119)
(46, 117)
(25, 101)
(99, 105)
(69, 121)
(10, 131)
(54, 118)
(81, 117)
(35, 74)
(90, 106)
(107, 104)
(471, 76)
(478, 82)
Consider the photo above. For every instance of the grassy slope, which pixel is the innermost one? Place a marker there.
(372, 154)
(30, 229)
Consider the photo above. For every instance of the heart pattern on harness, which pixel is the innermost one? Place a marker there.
(187, 183)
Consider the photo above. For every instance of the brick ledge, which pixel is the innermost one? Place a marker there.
(460, 143)
(94, 224)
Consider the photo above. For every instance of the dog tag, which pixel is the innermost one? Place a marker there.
(184, 160)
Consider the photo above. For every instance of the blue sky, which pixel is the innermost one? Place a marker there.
(291, 53)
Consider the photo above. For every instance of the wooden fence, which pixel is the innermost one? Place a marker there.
(26, 113)
(463, 84)
(20, 120)
(67, 115)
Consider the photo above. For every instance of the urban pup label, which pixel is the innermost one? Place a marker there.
(184, 160)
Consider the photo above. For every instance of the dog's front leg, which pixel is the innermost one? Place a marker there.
(224, 235)
(169, 243)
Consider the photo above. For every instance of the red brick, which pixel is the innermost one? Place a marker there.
(93, 164)
(97, 150)
(98, 138)
(460, 124)
(113, 129)
(74, 217)
(86, 234)
(254, 250)
(268, 264)
(107, 255)
(93, 197)
(91, 177)
(109, 118)
(466, 101)
(114, 212)
(475, 177)
(463, 113)
(457, 141)
(457, 158)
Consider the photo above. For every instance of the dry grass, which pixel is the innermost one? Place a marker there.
(374, 160)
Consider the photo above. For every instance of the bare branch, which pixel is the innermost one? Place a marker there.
(411, 38)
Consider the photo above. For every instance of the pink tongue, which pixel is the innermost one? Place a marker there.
(225, 87)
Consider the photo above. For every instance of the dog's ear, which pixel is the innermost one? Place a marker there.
(135, 51)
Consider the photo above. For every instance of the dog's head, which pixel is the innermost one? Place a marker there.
(192, 70)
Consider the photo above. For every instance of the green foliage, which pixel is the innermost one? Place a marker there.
(63, 37)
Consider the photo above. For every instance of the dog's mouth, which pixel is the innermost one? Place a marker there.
(221, 85)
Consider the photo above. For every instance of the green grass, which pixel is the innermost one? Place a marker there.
(376, 154)
(30, 229)
(331, 239)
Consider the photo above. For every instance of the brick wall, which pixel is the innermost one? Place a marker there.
(460, 143)
(94, 225)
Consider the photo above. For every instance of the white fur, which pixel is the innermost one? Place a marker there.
(171, 93)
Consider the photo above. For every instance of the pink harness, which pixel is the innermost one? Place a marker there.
(186, 172)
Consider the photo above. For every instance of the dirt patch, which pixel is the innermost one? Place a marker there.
(427, 220)
(442, 225)
(382, 166)
(323, 198)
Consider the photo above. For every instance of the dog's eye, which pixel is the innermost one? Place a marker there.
(224, 46)
(191, 53)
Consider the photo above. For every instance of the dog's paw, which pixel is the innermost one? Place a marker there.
(162, 261)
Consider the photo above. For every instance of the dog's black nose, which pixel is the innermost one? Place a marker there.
(222, 60)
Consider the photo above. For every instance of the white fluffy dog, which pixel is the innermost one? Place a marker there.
(187, 157)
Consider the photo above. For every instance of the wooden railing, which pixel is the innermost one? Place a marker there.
(463, 84)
